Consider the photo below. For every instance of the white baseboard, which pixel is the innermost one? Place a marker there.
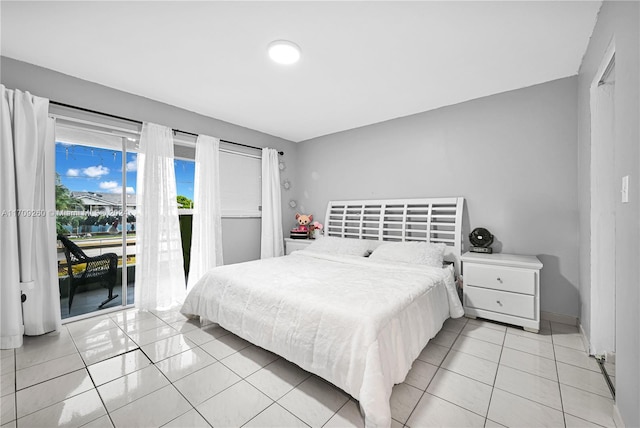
(569, 320)
(585, 340)
(611, 357)
(617, 419)
(559, 318)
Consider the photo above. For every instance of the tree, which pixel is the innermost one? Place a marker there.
(61, 221)
(75, 222)
(184, 202)
(132, 220)
(65, 201)
(87, 222)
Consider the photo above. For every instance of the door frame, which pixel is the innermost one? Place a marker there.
(604, 196)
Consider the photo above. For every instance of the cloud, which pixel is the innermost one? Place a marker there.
(130, 190)
(114, 187)
(73, 172)
(109, 185)
(96, 171)
(132, 165)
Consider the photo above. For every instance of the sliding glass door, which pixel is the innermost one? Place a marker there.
(95, 220)
(96, 207)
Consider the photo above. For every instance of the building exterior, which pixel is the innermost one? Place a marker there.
(107, 204)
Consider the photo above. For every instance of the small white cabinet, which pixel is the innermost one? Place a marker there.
(291, 245)
(502, 287)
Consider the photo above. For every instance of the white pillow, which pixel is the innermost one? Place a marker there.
(340, 246)
(423, 253)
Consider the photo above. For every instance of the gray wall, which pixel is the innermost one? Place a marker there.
(241, 237)
(619, 21)
(511, 155)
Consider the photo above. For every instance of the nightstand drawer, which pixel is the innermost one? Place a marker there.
(519, 305)
(500, 278)
(291, 245)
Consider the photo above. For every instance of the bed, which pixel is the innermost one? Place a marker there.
(355, 308)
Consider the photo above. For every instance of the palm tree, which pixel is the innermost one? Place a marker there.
(64, 201)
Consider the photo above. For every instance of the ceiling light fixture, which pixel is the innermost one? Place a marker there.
(284, 52)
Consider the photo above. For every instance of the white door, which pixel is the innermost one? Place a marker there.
(604, 196)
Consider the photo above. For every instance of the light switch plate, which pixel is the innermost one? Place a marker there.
(625, 189)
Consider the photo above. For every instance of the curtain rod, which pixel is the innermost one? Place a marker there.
(140, 123)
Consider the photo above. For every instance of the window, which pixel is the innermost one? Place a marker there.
(240, 182)
(240, 185)
(96, 177)
(185, 170)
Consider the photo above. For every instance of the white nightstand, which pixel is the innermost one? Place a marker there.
(291, 245)
(502, 287)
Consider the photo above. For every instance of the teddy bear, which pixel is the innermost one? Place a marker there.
(303, 222)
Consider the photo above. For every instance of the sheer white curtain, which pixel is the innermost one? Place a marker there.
(271, 242)
(206, 237)
(27, 223)
(160, 282)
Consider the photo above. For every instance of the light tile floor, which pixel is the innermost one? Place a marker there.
(133, 369)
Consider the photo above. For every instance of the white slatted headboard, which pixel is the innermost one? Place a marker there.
(428, 219)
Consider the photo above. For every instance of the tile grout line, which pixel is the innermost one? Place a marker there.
(337, 411)
(177, 389)
(424, 392)
(583, 389)
(153, 363)
(558, 382)
(493, 386)
(100, 397)
(86, 367)
(15, 381)
(298, 384)
(275, 403)
(40, 383)
(196, 345)
(95, 387)
(139, 348)
(555, 361)
(576, 366)
(294, 387)
(52, 404)
(247, 381)
(564, 414)
(115, 356)
(216, 361)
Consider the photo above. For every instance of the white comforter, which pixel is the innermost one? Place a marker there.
(355, 322)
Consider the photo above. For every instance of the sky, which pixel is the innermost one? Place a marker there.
(92, 169)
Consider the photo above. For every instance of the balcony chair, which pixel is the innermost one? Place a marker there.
(102, 268)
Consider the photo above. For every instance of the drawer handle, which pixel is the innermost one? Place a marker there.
(498, 302)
